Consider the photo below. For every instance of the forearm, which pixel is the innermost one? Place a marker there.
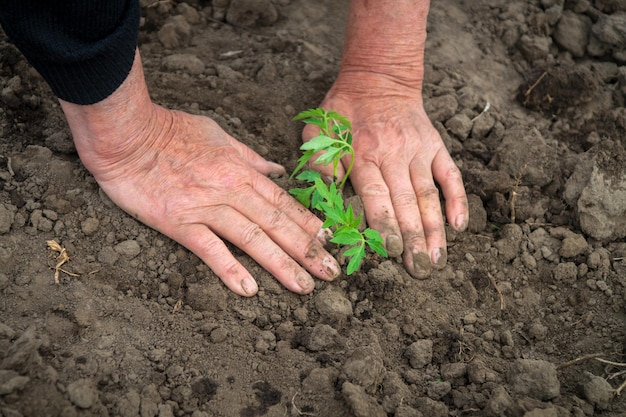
(386, 38)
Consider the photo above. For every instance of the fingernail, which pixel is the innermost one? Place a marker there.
(248, 285)
(394, 245)
(324, 235)
(305, 282)
(421, 265)
(439, 258)
(460, 222)
(331, 267)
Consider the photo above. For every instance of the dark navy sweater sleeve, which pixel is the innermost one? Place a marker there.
(84, 49)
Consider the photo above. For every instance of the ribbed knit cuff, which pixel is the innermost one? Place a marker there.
(79, 69)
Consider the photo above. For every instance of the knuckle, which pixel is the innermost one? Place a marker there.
(404, 199)
(251, 234)
(374, 189)
(277, 218)
(427, 192)
(414, 238)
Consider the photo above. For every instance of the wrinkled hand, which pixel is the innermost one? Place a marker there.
(185, 177)
(399, 155)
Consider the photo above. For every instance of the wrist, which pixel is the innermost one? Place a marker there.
(112, 132)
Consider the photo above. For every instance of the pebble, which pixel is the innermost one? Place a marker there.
(11, 381)
(331, 304)
(128, 249)
(82, 394)
(108, 256)
(90, 226)
(598, 391)
(535, 378)
(573, 246)
(362, 404)
(365, 368)
(321, 338)
(7, 216)
(23, 352)
(188, 63)
(251, 13)
(420, 353)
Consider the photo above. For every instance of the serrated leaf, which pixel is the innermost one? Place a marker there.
(318, 143)
(355, 250)
(355, 262)
(341, 119)
(302, 162)
(308, 175)
(303, 195)
(310, 113)
(375, 241)
(346, 236)
(329, 155)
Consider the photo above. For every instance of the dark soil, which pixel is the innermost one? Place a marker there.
(528, 318)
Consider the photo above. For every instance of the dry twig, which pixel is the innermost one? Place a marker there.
(495, 285)
(61, 259)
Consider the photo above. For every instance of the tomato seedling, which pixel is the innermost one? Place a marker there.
(333, 142)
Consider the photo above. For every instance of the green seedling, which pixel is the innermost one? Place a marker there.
(333, 142)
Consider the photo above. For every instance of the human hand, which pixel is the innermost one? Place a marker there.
(187, 178)
(399, 156)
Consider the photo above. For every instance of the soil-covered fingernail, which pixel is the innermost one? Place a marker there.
(421, 265)
(460, 223)
(248, 285)
(439, 258)
(394, 245)
(331, 267)
(305, 282)
(324, 235)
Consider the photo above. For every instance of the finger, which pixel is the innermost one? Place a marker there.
(272, 209)
(252, 239)
(369, 184)
(302, 217)
(430, 212)
(449, 177)
(255, 160)
(408, 214)
(213, 252)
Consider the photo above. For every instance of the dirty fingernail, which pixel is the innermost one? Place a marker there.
(421, 265)
(248, 285)
(460, 222)
(331, 267)
(394, 245)
(324, 235)
(305, 282)
(439, 258)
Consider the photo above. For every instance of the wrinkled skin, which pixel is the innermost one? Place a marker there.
(185, 177)
(399, 154)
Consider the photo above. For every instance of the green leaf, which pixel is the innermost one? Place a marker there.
(355, 262)
(308, 175)
(302, 162)
(310, 113)
(318, 143)
(375, 241)
(341, 119)
(303, 195)
(346, 236)
(329, 155)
